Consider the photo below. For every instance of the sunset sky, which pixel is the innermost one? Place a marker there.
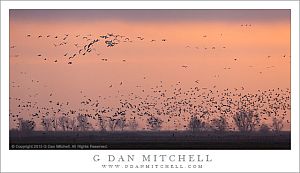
(158, 51)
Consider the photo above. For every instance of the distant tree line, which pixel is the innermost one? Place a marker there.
(244, 120)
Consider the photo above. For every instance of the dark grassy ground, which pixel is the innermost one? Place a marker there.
(151, 140)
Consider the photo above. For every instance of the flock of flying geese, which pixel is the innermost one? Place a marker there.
(172, 105)
(109, 40)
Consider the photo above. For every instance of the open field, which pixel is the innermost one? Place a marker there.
(151, 140)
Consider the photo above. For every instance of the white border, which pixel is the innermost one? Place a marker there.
(223, 160)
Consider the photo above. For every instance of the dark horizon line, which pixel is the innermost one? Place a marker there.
(109, 131)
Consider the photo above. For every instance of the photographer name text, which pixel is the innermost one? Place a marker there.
(152, 158)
